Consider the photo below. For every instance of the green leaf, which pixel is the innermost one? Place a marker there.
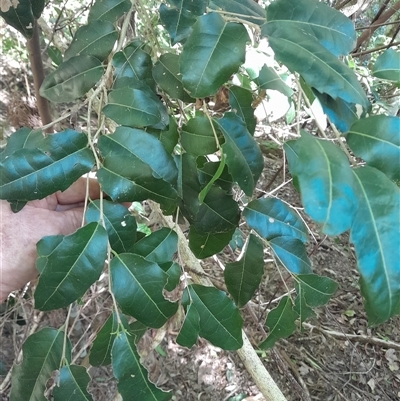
(375, 235)
(203, 193)
(20, 16)
(179, 18)
(133, 383)
(301, 308)
(190, 329)
(328, 26)
(100, 353)
(96, 39)
(376, 139)
(320, 69)
(271, 218)
(34, 173)
(197, 136)
(248, 10)
(37, 7)
(326, 182)
(120, 224)
(143, 148)
(137, 285)
(243, 155)
(316, 290)
(72, 79)
(218, 213)
(269, 79)
(240, 100)
(69, 265)
(159, 246)
(72, 384)
(55, 55)
(134, 63)
(42, 353)
(212, 53)
(169, 138)
(209, 170)
(220, 320)
(243, 277)
(204, 245)
(387, 66)
(281, 323)
(166, 74)
(132, 107)
(291, 252)
(173, 271)
(108, 10)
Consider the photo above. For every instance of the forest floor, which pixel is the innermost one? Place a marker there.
(336, 357)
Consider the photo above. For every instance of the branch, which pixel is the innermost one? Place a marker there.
(249, 357)
(373, 27)
(35, 59)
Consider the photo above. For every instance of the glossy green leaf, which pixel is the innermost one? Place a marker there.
(291, 252)
(37, 7)
(137, 155)
(301, 308)
(96, 39)
(42, 353)
(159, 246)
(132, 107)
(208, 170)
(34, 173)
(72, 384)
(55, 55)
(166, 74)
(203, 193)
(316, 290)
(20, 139)
(135, 63)
(69, 265)
(339, 112)
(220, 320)
(120, 224)
(100, 353)
(108, 10)
(271, 218)
(375, 235)
(212, 53)
(218, 213)
(240, 100)
(387, 66)
(133, 383)
(190, 329)
(168, 137)
(137, 285)
(180, 16)
(328, 26)
(174, 272)
(376, 139)
(326, 182)
(20, 16)
(243, 277)
(320, 69)
(72, 79)
(197, 136)
(204, 245)
(281, 323)
(137, 330)
(243, 155)
(248, 10)
(269, 79)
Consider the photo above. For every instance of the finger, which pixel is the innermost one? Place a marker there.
(70, 220)
(77, 191)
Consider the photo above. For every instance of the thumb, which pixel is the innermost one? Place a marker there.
(70, 220)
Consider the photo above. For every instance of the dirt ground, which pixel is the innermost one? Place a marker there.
(336, 357)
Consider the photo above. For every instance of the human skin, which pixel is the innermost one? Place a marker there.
(58, 214)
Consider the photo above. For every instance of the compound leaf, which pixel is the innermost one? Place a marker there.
(69, 265)
(72, 79)
(376, 239)
(137, 285)
(213, 52)
(243, 277)
(220, 320)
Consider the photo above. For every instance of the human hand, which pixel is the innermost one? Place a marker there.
(58, 214)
